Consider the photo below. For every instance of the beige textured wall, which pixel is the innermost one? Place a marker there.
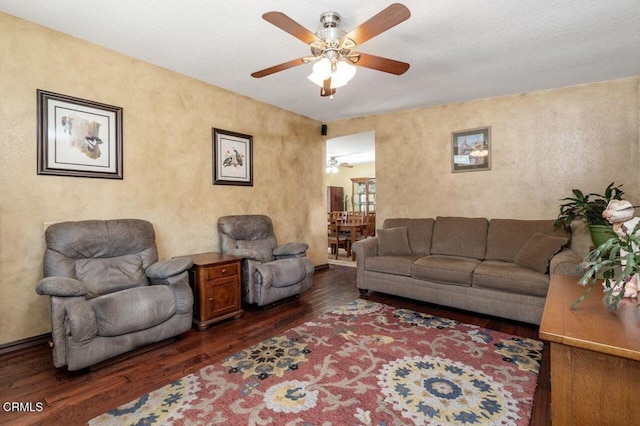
(167, 161)
(543, 144)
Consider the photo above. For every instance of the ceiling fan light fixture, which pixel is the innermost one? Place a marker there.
(343, 74)
(315, 79)
(322, 69)
(332, 167)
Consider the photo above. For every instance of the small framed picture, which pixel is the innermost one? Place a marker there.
(77, 137)
(471, 150)
(232, 158)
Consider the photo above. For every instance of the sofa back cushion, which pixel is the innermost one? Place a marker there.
(263, 247)
(460, 236)
(507, 236)
(538, 251)
(393, 241)
(108, 275)
(419, 232)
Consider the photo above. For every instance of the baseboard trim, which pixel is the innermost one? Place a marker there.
(23, 344)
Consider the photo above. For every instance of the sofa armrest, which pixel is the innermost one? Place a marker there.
(61, 286)
(365, 248)
(566, 262)
(184, 296)
(168, 268)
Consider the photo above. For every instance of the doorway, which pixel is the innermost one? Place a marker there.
(349, 157)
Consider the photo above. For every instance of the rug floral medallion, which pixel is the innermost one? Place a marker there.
(363, 364)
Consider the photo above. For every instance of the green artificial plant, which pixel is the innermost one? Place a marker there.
(616, 261)
(587, 207)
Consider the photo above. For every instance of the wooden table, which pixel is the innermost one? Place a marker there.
(595, 356)
(215, 281)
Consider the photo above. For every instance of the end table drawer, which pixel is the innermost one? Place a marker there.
(215, 272)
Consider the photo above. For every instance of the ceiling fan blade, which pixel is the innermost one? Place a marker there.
(326, 89)
(276, 68)
(388, 18)
(290, 26)
(382, 64)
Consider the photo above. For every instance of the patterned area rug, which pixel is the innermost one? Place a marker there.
(365, 363)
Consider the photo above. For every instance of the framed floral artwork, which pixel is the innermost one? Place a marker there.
(232, 158)
(78, 137)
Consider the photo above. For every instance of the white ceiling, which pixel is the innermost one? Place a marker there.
(353, 149)
(459, 50)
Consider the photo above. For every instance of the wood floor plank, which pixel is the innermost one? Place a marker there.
(73, 398)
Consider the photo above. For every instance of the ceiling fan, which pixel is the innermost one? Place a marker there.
(332, 165)
(331, 47)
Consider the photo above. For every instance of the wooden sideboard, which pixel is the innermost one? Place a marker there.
(595, 356)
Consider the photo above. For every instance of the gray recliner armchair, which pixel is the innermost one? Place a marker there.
(108, 292)
(270, 272)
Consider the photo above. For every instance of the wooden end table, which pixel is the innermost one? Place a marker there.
(595, 356)
(215, 281)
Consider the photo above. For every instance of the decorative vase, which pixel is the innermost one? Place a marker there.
(601, 233)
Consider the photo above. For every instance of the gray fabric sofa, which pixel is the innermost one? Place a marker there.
(499, 267)
(109, 293)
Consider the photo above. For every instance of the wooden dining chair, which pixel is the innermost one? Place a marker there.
(338, 216)
(335, 239)
(371, 224)
(355, 217)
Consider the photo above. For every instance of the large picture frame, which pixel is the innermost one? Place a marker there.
(232, 158)
(471, 150)
(78, 137)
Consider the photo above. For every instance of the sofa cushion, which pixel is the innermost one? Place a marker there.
(397, 265)
(538, 251)
(445, 269)
(419, 231)
(460, 236)
(506, 237)
(134, 309)
(510, 277)
(393, 241)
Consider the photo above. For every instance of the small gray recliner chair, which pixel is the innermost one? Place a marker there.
(108, 292)
(270, 272)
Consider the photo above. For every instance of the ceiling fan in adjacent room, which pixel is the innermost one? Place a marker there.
(333, 164)
(331, 48)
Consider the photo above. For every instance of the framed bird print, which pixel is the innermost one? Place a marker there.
(78, 137)
(232, 158)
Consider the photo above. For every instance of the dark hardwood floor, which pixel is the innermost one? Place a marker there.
(70, 398)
